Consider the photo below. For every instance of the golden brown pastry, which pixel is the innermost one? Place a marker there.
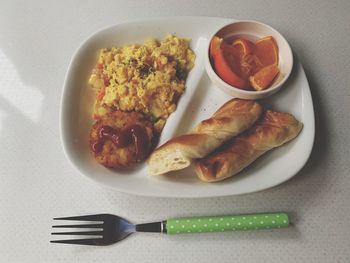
(232, 118)
(273, 130)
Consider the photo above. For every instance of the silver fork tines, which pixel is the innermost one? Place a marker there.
(92, 241)
(79, 226)
(112, 229)
(86, 233)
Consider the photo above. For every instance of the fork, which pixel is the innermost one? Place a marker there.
(108, 229)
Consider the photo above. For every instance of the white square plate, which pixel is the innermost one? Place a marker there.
(200, 100)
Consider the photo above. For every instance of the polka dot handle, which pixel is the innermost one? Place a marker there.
(226, 223)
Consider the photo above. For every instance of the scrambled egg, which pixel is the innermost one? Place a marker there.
(146, 78)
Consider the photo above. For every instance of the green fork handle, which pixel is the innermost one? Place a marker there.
(226, 223)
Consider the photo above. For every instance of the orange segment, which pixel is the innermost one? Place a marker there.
(226, 67)
(266, 50)
(262, 79)
(244, 46)
(233, 59)
(243, 64)
(227, 48)
(214, 46)
(245, 49)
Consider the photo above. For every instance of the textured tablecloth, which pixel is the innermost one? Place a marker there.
(37, 183)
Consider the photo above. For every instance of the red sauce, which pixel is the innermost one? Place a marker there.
(123, 138)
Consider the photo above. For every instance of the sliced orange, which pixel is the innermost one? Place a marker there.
(263, 78)
(245, 49)
(244, 46)
(227, 69)
(266, 51)
(243, 64)
(214, 46)
(227, 48)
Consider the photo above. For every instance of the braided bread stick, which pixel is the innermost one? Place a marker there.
(273, 130)
(232, 118)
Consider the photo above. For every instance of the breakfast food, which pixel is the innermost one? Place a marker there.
(261, 79)
(273, 130)
(137, 87)
(232, 118)
(120, 139)
(243, 64)
(148, 78)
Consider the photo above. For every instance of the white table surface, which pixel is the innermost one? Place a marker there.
(37, 183)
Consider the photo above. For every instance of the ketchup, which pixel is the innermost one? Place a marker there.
(123, 138)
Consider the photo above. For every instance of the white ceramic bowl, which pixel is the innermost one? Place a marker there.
(252, 30)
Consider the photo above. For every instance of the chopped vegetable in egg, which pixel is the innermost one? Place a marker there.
(148, 78)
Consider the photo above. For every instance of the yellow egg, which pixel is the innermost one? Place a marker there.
(148, 78)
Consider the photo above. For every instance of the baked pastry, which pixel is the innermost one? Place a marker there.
(121, 139)
(273, 130)
(232, 118)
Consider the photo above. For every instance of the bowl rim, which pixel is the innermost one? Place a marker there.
(267, 91)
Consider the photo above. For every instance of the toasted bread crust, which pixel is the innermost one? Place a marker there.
(273, 130)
